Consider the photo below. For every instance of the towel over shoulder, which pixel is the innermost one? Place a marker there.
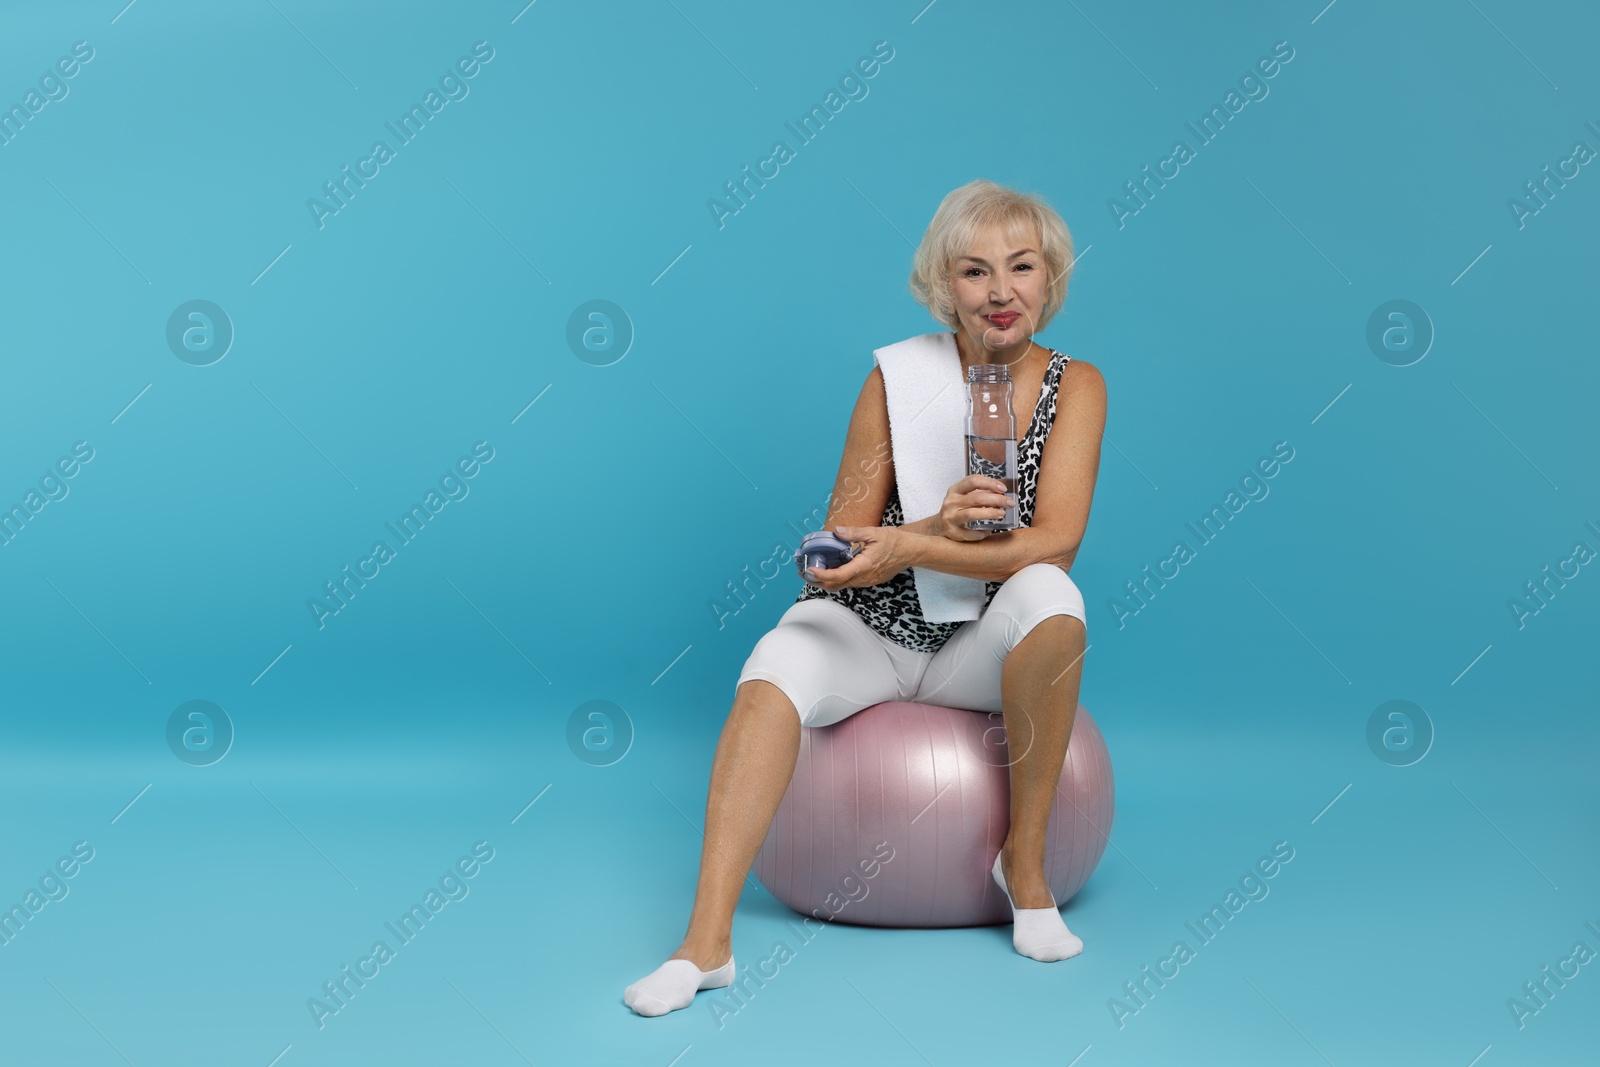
(927, 401)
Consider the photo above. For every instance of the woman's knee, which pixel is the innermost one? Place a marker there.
(1039, 591)
(774, 669)
(792, 658)
(824, 666)
(797, 693)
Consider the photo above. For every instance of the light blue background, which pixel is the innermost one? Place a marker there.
(1227, 315)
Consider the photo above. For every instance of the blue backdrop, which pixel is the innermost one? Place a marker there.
(527, 295)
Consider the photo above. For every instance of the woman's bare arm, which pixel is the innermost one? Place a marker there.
(866, 473)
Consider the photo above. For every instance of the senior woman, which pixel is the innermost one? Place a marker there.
(993, 268)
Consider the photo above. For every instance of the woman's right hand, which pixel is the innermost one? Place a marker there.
(974, 497)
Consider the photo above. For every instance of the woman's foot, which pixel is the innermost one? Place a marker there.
(673, 984)
(1038, 933)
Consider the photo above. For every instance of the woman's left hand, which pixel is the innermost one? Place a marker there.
(881, 553)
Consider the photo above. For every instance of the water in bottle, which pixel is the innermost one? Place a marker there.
(992, 436)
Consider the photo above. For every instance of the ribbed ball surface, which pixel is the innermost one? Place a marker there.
(934, 784)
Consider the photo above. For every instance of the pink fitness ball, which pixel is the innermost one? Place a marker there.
(895, 814)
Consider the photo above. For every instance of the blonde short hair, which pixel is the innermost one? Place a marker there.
(956, 224)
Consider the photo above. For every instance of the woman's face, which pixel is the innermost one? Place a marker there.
(998, 288)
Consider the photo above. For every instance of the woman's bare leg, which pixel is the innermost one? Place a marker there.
(1039, 697)
(751, 770)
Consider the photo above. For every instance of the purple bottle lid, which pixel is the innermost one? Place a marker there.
(822, 549)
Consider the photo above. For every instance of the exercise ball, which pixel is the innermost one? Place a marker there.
(894, 816)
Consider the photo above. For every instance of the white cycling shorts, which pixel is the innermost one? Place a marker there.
(831, 664)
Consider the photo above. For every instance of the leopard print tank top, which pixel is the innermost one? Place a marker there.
(891, 607)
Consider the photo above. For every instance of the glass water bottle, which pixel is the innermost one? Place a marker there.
(992, 436)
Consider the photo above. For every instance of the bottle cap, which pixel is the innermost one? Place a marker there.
(822, 549)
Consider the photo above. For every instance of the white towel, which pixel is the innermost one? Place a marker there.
(927, 398)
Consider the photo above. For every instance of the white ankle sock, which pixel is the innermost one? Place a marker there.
(673, 985)
(1038, 933)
